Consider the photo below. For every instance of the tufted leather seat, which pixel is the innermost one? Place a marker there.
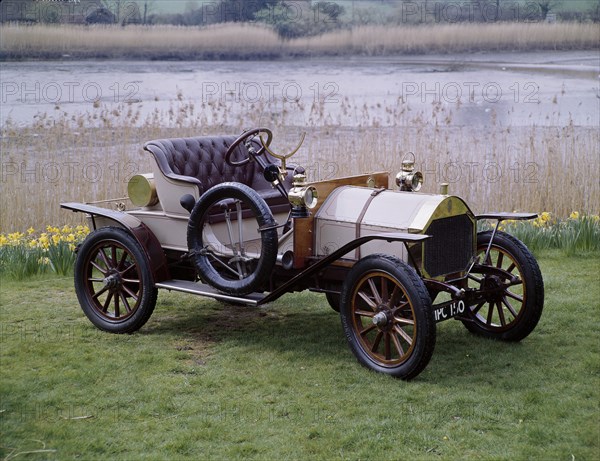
(201, 161)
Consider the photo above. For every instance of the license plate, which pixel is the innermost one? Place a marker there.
(448, 310)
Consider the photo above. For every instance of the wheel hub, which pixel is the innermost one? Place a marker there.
(383, 317)
(380, 319)
(112, 281)
(493, 288)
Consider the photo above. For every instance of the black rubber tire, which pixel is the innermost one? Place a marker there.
(412, 304)
(531, 291)
(128, 265)
(334, 300)
(269, 239)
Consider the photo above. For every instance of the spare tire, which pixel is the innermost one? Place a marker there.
(233, 263)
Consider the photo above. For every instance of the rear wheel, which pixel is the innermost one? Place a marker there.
(511, 304)
(113, 281)
(387, 318)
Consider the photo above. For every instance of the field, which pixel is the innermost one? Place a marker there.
(211, 381)
(246, 41)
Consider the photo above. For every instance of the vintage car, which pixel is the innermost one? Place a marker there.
(227, 218)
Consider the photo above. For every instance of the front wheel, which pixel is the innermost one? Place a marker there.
(387, 317)
(511, 301)
(113, 281)
(333, 299)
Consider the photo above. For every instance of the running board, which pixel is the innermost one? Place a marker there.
(201, 289)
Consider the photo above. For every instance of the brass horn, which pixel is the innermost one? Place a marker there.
(283, 158)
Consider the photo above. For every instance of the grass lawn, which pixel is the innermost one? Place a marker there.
(204, 380)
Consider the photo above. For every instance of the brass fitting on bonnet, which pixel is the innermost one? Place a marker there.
(408, 179)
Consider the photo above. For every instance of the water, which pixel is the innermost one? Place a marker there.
(508, 89)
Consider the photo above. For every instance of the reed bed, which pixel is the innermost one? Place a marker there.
(451, 38)
(246, 41)
(39, 41)
(91, 156)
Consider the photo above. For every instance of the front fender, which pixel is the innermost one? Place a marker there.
(139, 231)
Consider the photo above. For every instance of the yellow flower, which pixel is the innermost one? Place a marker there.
(574, 215)
(53, 236)
(82, 231)
(545, 216)
(15, 238)
(44, 242)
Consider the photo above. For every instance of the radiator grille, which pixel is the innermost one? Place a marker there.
(450, 247)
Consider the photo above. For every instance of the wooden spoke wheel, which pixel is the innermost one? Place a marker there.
(113, 281)
(387, 317)
(511, 302)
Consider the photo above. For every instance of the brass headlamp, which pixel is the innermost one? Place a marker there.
(302, 197)
(408, 179)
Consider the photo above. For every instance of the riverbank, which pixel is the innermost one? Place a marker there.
(252, 41)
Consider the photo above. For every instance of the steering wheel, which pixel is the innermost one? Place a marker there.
(245, 138)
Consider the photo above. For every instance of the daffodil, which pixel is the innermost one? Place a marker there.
(44, 241)
(574, 215)
(82, 231)
(15, 238)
